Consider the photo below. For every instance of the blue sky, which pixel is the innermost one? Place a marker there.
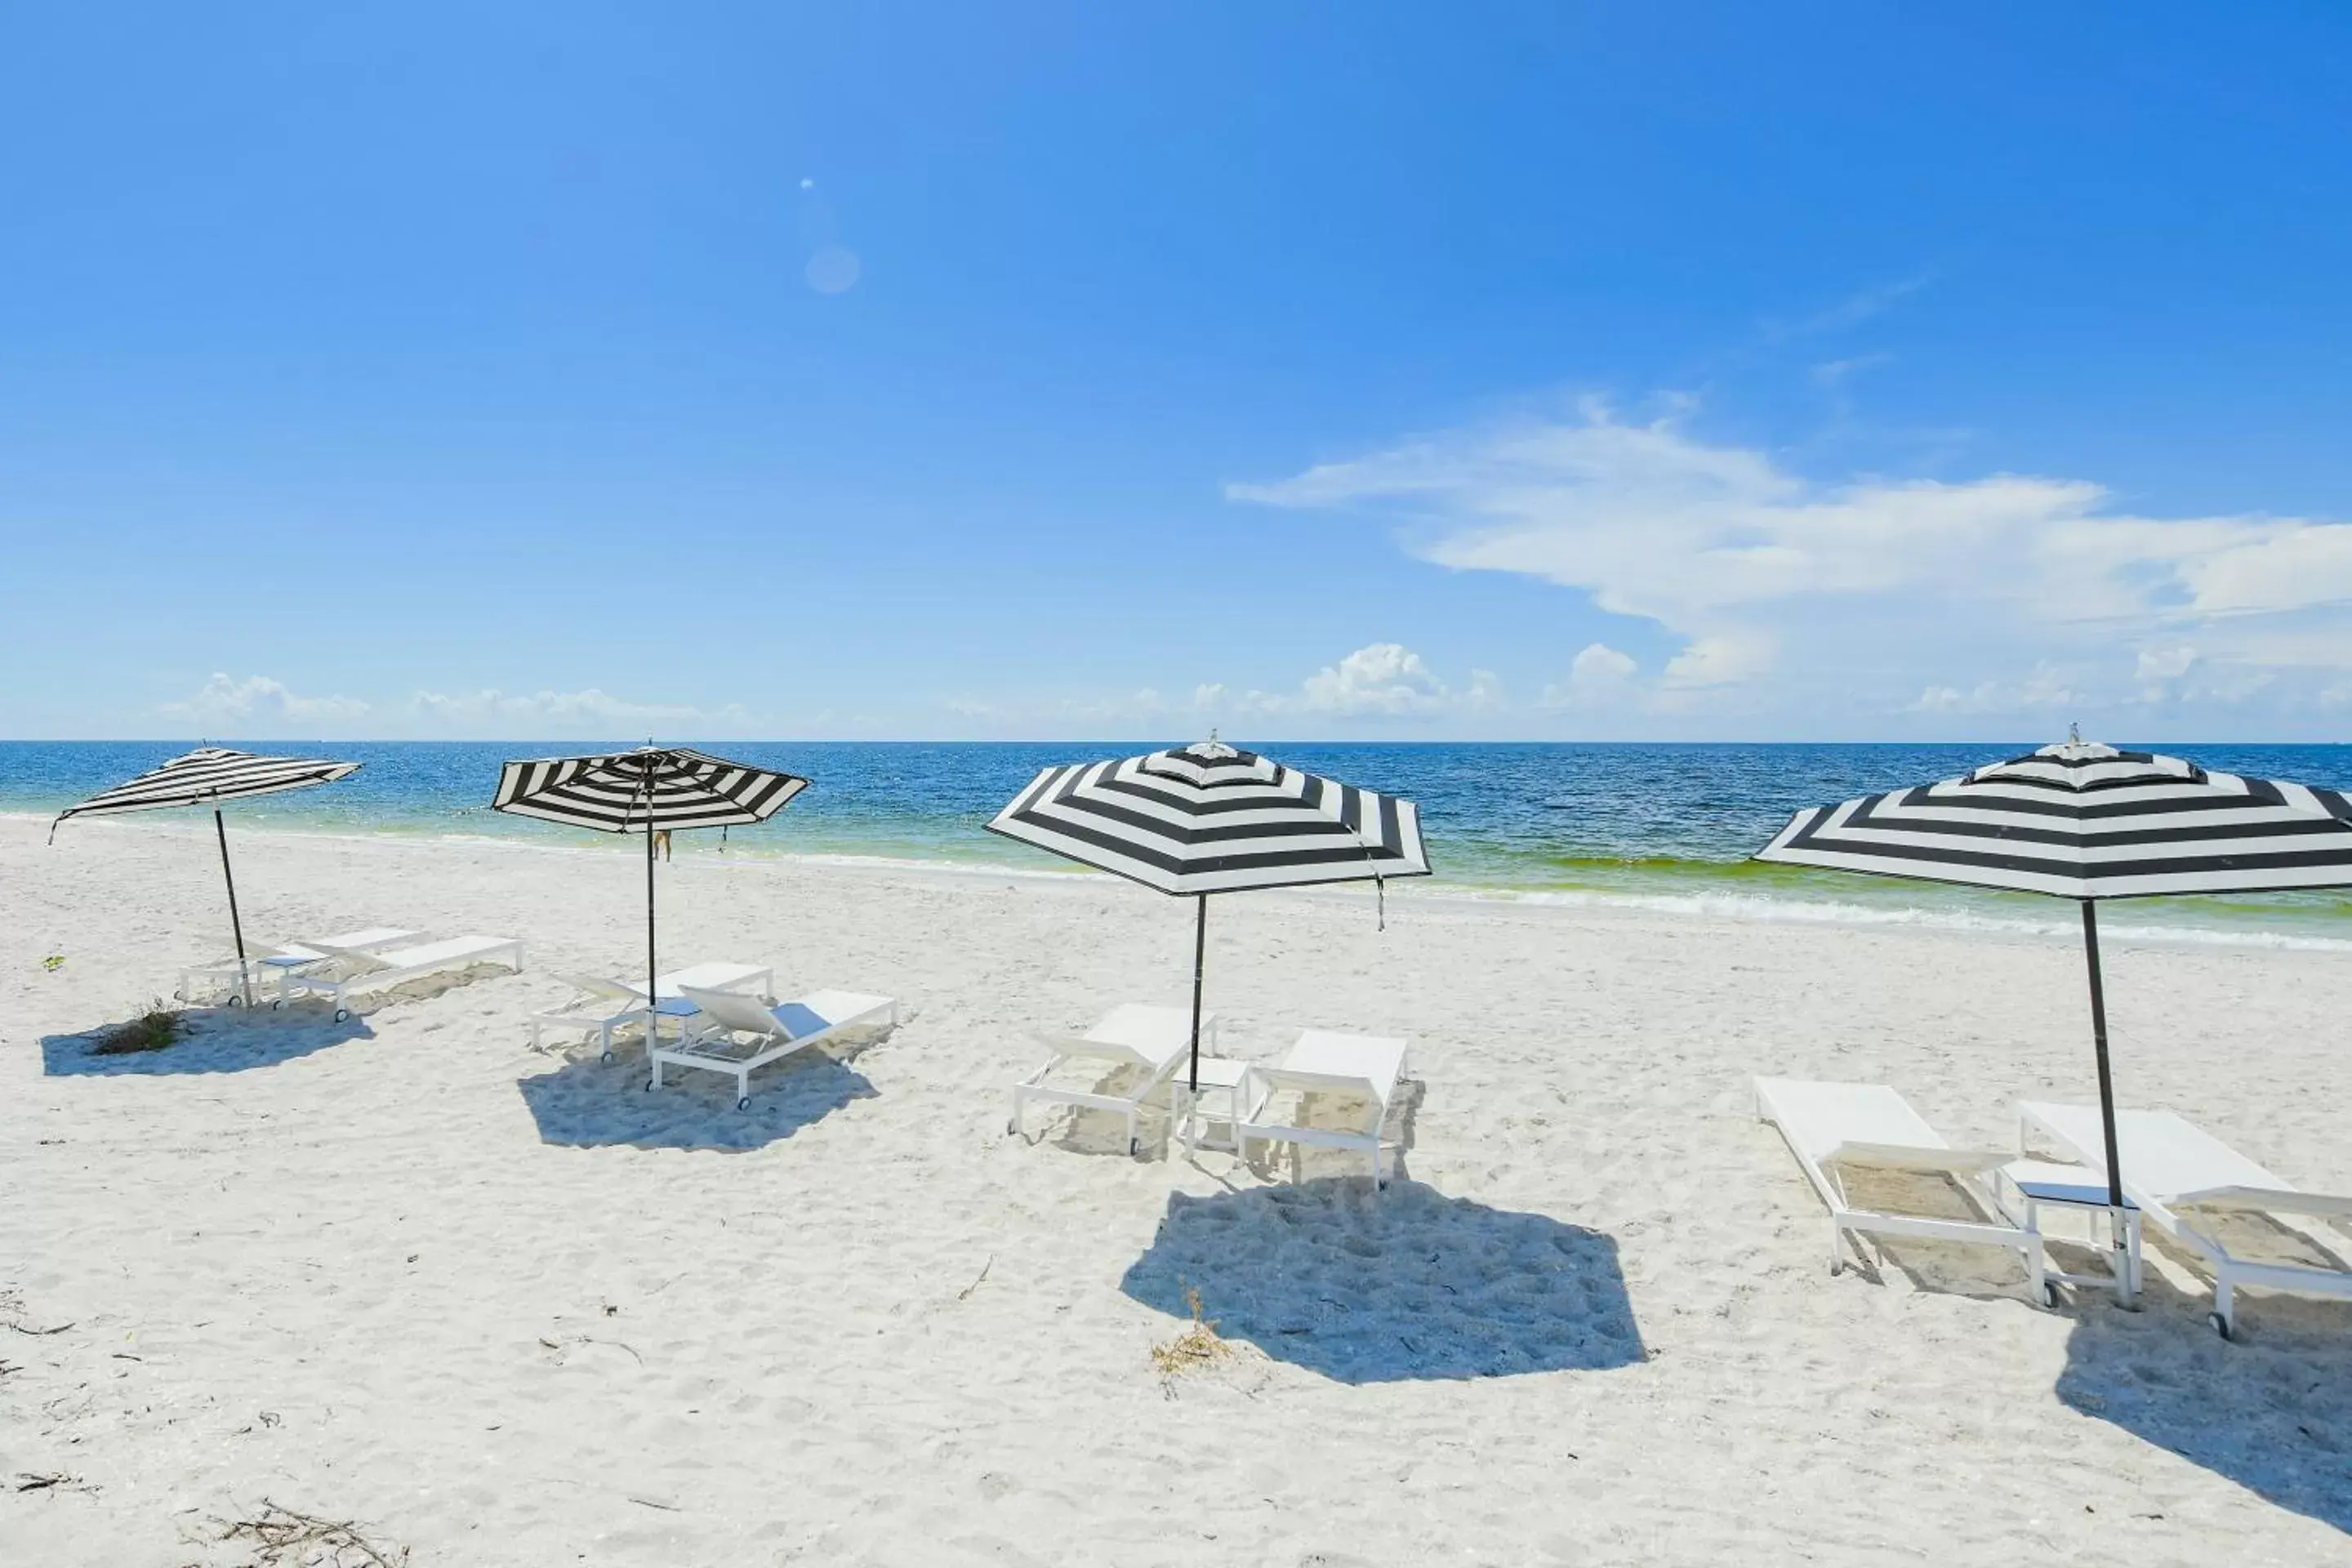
(1547, 371)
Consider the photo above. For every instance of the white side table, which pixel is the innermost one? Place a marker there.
(2039, 1183)
(1218, 1100)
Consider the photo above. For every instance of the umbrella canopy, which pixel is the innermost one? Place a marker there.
(654, 789)
(2087, 822)
(645, 790)
(208, 776)
(1211, 818)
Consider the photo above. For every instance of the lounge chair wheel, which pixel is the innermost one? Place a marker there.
(744, 1103)
(277, 1005)
(2049, 1293)
(235, 1001)
(343, 1014)
(1134, 1147)
(606, 1058)
(2220, 1325)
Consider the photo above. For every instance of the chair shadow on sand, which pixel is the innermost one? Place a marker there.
(585, 1105)
(216, 1040)
(2271, 1410)
(1402, 1285)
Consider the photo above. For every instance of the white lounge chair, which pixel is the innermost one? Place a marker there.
(1830, 1127)
(604, 1006)
(1368, 1066)
(2184, 1179)
(1150, 1043)
(731, 1033)
(355, 970)
(276, 969)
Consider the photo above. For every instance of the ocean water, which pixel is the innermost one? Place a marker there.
(1670, 826)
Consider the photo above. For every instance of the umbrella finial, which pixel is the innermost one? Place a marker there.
(2074, 734)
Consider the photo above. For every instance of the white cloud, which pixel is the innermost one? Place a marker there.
(1598, 677)
(1868, 587)
(226, 705)
(1381, 681)
(1380, 677)
(1723, 659)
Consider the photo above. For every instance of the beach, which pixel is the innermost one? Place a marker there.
(502, 1307)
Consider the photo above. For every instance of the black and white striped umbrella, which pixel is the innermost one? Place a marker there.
(2087, 822)
(2082, 821)
(650, 790)
(1211, 818)
(210, 775)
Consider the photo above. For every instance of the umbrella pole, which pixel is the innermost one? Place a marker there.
(653, 1001)
(235, 926)
(1200, 958)
(2116, 1233)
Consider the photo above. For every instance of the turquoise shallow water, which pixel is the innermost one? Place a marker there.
(1669, 823)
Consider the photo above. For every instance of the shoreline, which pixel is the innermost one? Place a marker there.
(2257, 929)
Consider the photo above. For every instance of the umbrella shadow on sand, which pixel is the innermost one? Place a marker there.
(214, 1041)
(2271, 1410)
(586, 1105)
(1402, 1285)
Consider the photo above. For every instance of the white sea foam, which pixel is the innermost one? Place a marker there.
(1824, 911)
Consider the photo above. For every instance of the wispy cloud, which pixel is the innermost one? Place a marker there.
(257, 703)
(489, 711)
(1777, 581)
(260, 705)
(1836, 372)
(1849, 313)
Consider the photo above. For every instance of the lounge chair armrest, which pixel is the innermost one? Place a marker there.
(1251, 1095)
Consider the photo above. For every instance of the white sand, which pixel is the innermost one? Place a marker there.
(504, 1310)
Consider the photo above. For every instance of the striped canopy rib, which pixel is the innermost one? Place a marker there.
(209, 776)
(1210, 819)
(650, 789)
(2085, 821)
